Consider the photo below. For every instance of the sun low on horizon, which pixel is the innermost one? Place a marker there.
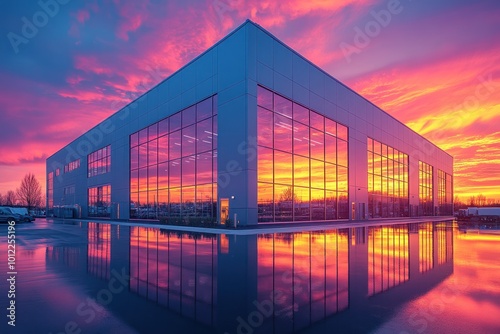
(434, 66)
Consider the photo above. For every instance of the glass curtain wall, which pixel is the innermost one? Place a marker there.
(99, 162)
(445, 193)
(302, 162)
(50, 191)
(387, 181)
(425, 192)
(173, 166)
(99, 200)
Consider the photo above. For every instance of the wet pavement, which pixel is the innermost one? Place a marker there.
(96, 277)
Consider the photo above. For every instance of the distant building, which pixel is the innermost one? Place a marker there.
(253, 129)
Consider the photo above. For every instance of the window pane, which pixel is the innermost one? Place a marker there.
(188, 201)
(143, 179)
(282, 133)
(283, 202)
(341, 178)
(175, 202)
(134, 158)
(264, 127)
(153, 152)
(265, 202)
(317, 204)
(317, 145)
(282, 105)
(175, 173)
(152, 178)
(300, 171)
(331, 149)
(331, 205)
(204, 135)
(331, 176)
(163, 203)
(301, 114)
(204, 201)
(204, 168)
(264, 98)
(163, 149)
(317, 121)
(134, 139)
(163, 175)
(343, 206)
(175, 145)
(265, 165)
(188, 171)
(342, 153)
(189, 141)
(143, 136)
(300, 139)
(134, 181)
(301, 204)
(282, 167)
(143, 155)
(317, 174)
(330, 127)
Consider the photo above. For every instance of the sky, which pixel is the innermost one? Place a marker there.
(66, 65)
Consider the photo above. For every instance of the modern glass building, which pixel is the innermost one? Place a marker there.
(250, 131)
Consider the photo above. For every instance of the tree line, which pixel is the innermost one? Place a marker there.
(29, 194)
(475, 200)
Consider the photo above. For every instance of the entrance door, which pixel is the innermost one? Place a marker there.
(224, 210)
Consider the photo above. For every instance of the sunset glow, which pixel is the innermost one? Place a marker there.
(432, 65)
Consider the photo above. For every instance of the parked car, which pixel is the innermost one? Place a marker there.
(25, 216)
(7, 215)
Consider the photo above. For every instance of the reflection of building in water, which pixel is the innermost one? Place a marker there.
(282, 283)
(426, 247)
(70, 257)
(99, 249)
(388, 262)
(287, 282)
(176, 270)
(308, 273)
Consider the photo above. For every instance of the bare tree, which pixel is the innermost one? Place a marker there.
(458, 204)
(1, 200)
(10, 198)
(288, 195)
(30, 192)
(481, 200)
(471, 201)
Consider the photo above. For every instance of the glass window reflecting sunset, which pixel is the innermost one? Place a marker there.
(387, 181)
(302, 162)
(173, 169)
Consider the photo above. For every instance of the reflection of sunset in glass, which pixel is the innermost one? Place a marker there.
(302, 162)
(99, 250)
(309, 273)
